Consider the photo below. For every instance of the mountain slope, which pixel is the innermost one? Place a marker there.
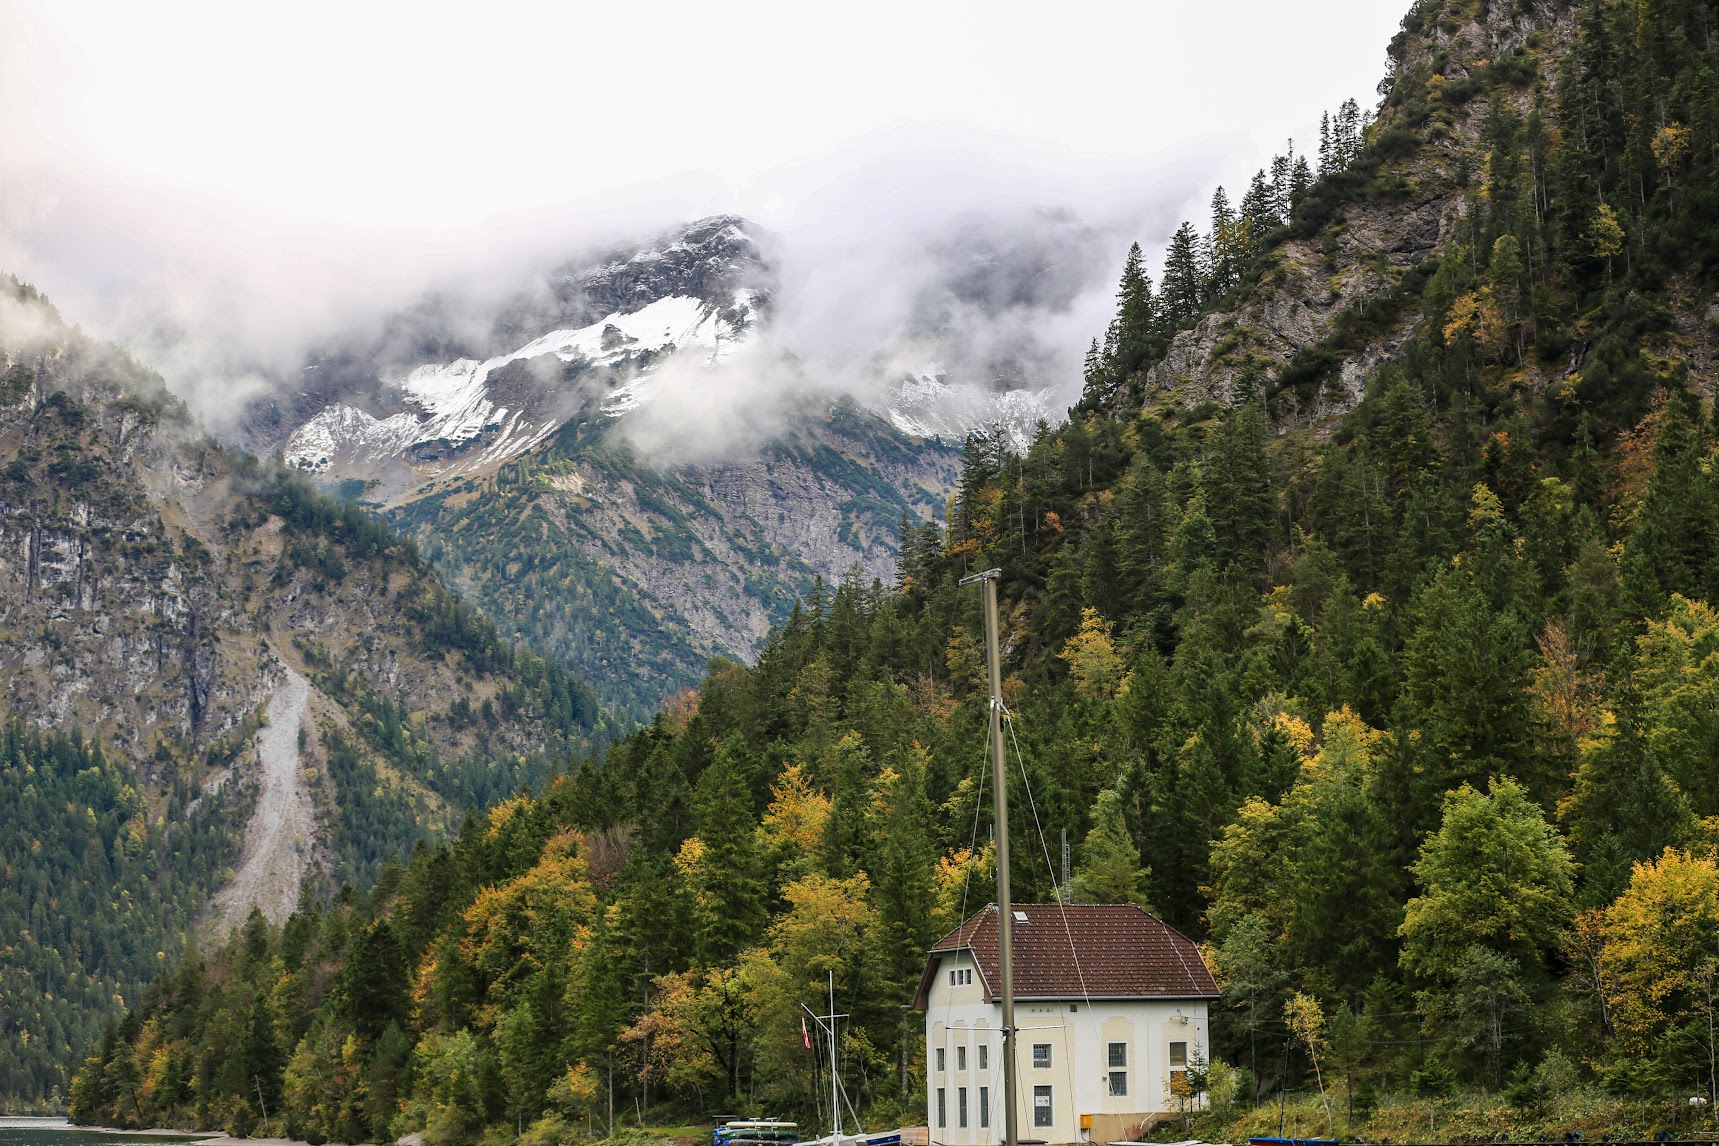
(542, 463)
(1340, 290)
(165, 599)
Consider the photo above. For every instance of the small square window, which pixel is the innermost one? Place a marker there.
(1118, 1055)
(984, 1106)
(1043, 1113)
(1178, 1054)
(961, 1059)
(1042, 1057)
(942, 1107)
(1118, 1083)
(941, 1067)
(984, 1056)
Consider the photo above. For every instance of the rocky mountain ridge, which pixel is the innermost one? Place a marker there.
(1337, 297)
(659, 565)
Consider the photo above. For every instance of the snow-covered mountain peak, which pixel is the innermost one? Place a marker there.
(450, 405)
(926, 404)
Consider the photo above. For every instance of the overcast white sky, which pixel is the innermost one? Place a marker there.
(270, 150)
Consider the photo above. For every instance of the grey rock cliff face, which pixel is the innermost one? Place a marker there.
(1309, 284)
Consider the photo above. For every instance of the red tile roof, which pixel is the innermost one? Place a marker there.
(1078, 951)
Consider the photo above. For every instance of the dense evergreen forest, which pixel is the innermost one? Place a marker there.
(1411, 718)
(96, 902)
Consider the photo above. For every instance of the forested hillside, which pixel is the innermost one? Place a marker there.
(634, 576)
(1408, 712)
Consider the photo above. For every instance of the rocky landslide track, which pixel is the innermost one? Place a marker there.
(281, 835)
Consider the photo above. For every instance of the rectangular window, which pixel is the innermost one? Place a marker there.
(1178, 1054)
(984, 1106)
(942, 1107)
(940, 1060)
(1118, 1083)
(1043, 1115)
(961, 1107)
(984, 1056)
(960, 1058)
(1118, 1055)
(1041, 1056)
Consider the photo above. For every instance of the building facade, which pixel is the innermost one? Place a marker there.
(1111, 1003)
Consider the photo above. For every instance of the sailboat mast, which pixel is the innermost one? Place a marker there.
(1000, 805)
(835, 1080)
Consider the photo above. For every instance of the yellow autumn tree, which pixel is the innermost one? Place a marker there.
(830, 926)
(1659, 939)
(1566, 697)
(1092, 658)
(794, 822)
(1605, 233)
(515, 929)
(1677, 669)
(694, 1030)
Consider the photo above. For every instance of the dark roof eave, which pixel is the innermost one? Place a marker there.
(1107, 998)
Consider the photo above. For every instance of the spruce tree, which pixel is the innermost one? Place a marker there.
(1110, 870)
(1184, 286)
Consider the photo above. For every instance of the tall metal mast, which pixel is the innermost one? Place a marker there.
(835, 1079)
(1000, 805)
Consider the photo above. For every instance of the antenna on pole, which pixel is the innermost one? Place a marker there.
(1000, 805)
(1066, 897)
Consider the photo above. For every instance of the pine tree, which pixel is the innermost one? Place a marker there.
(1224, 248)
(1259, 210)
(1110, 870)
(1184, 288)
(375, 981)
(1237, 481)
(729, 906)
(1281, 166)
(1300, 179)
(1134, 317)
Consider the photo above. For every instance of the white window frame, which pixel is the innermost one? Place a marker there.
(942, 1108)
(961, 1107)
(960, 1058)
(984, 1108)
(1048, 1106)
(942, 1060)
(1047, 1063)
(1178, 1057)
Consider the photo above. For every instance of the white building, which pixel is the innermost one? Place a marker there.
(1110, 1001)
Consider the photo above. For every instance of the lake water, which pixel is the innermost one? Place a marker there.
(55, 1132)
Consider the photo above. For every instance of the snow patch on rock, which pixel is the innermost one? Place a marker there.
(926, 404)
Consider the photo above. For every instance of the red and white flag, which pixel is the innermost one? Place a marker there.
(805, 1034)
